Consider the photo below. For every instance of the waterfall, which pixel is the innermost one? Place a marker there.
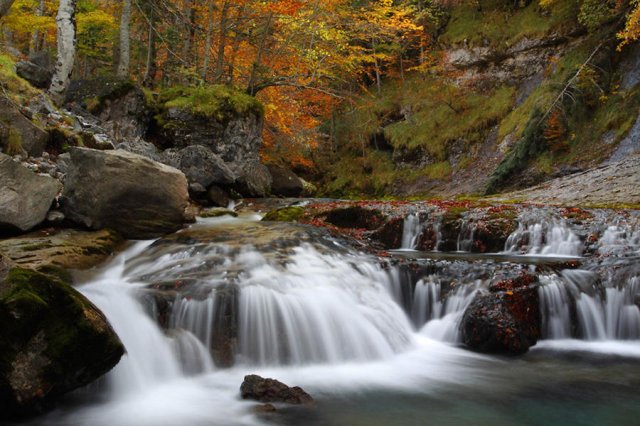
(151, 356)
(411, 232)
(319, 308)
(546, 237)
(465, 236)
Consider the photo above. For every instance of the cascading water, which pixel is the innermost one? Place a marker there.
(304, 308)
(411, 232)
(540, 234)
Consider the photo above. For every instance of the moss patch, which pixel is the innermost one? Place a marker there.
(285, 214)
(218, 102)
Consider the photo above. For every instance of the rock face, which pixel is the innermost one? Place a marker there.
(53, 341)
(120, 105)
(131, 194)
(270, 390)
(18, 133)
(25, 198)
(506, 320)
(284, 182)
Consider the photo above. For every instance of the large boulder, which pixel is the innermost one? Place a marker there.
(254, 180)
(35, 74)
(25, 198)
(18, 134)
(120, 105)
(284, 182)
(131, 194)
(53, 340)
(200, 165)
(270, 390)
(506, 320)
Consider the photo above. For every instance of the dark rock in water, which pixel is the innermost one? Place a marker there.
(18, 133)
(35, 74)
(254, 180)
(270, 390)
(25, 198)
(284, 182)
(356, 217)
(120, 105)
(131, 194)
(506, 320)
(390, 234)
(200, 165)
(53, 341)
(265, 409)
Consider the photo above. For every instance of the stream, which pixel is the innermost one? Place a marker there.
(372, 343)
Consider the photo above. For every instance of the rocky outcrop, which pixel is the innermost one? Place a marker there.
(60, 249)
(355, 217)
(131, 194)
(284, 182)
(506, 320)
(270, 390)
(53, 341)
(18, 134)
(25, 198)
(120, 105)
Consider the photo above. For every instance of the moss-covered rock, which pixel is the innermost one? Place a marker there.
(53, 340)
(61, 249)
(284, 214)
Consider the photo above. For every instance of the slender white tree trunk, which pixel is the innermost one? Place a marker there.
(66, 32)
(125, 18)
(5, 5)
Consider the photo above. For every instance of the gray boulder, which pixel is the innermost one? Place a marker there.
(254, 180)
(25, 198)
(285, 182)
(200, 165)
(18, 133)
(129, 193)
(35, 74)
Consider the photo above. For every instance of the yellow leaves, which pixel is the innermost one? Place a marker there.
(631, 30)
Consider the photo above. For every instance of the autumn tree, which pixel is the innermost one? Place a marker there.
(5, 5)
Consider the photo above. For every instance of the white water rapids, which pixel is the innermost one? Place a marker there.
(331, 323)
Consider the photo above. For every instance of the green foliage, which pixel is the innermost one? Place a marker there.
(518, 158)
(504, 26)
(16, 88)
(218, 102)
(594, 13)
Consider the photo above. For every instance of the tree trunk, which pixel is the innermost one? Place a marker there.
(222, 43)
(188, 31)
(151, 67)
(251, 87)
(207, 43)
(5, 5)
(125, 18)
(34, 46)
(66, 32)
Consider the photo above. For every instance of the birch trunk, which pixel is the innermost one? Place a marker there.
(66, 32)
(5, 5)
(125, 46)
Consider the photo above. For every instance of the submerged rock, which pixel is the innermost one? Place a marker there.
(131, 194)
(25, 198)
(270, 390)
(506, 320)
(53, 341)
